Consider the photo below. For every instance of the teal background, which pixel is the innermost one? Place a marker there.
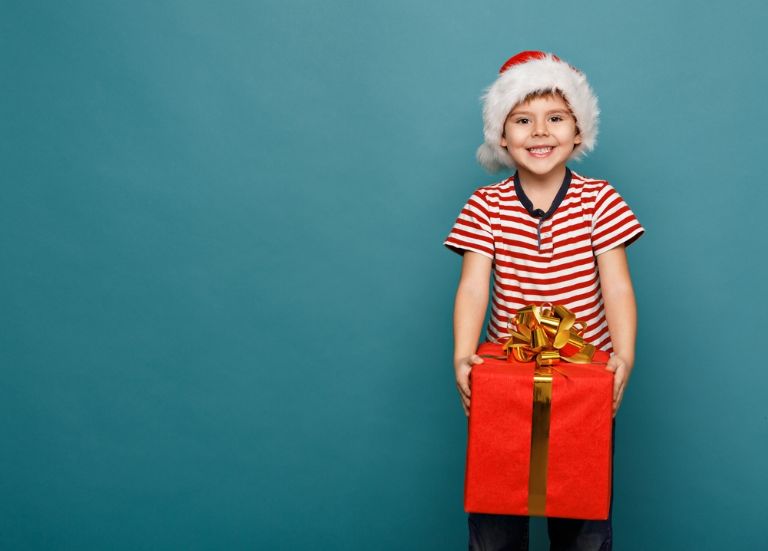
(226, 306)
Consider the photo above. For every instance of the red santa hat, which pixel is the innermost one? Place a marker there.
(522, 74)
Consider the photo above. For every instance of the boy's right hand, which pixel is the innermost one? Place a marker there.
(463, 368)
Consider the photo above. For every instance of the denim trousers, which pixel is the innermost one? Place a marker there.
(510, 532)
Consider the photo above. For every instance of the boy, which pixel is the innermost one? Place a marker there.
(546, 234)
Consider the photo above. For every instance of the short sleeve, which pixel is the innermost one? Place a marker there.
(613, 223)
(472, 230)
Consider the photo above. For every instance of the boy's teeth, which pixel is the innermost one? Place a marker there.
(541, 149)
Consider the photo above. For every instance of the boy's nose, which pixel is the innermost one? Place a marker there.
(540, 128)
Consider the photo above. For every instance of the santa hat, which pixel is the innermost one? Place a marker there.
(522, 74)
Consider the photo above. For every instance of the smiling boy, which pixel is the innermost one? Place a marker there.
(545, 235)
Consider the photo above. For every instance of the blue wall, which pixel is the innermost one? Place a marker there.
(226, 307)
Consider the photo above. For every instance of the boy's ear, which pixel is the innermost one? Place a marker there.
(577, 139)
(503, 140)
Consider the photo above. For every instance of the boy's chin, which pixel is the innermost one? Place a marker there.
(541, 168)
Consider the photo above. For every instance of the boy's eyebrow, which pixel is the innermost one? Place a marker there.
(516, 112)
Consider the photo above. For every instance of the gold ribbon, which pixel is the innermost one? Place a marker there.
(546, 334)
(537, 470)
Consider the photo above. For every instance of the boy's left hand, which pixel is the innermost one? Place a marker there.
(621, 370)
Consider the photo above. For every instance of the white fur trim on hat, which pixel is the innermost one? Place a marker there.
(515, 83)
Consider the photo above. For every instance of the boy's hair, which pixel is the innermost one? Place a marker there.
(527, 75)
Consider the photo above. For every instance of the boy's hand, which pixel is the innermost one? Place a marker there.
(463, 368)
(621, 370)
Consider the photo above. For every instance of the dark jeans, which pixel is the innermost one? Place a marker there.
(510, 532)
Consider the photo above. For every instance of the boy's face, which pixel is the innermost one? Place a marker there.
(540, 135)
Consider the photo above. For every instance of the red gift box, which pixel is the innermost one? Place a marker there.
(556, 463)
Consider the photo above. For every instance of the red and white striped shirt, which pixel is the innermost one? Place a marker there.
(546, 257)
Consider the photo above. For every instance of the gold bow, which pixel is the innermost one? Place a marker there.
(547, 333)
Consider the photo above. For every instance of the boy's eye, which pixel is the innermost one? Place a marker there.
(556, 118)
(521, 120)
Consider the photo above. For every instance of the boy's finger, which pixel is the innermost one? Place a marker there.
(617, 401)
(464, 384)
(617, 394)
(617, 388)
(475, 359)
(463, 389)
(619, 380)
(464, 403)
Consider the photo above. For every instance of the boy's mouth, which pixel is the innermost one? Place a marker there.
(541, 151)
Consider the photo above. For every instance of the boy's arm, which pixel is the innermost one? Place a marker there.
(468, 316)
(621, 314)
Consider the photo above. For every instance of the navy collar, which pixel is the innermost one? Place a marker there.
(538, 213)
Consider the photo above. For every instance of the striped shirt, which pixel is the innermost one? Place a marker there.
(548, 256)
